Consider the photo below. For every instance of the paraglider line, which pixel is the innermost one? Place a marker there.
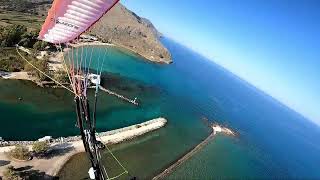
(125, 170)
(43, 72)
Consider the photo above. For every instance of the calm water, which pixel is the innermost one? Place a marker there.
(274, 141)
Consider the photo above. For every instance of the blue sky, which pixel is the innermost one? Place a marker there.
(273, 44)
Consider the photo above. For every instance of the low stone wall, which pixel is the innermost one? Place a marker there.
(53, 141)
(127, 133)
(78, 138)
(13, 143)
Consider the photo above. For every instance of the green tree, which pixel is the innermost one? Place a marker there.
(61, 76)
(40, 64)
(10, 61)
(20, 152)
(25, 42)
(10, 174)
(37, 46)
(40, 147)
(12, 35)
(28, 39)
(40, 45)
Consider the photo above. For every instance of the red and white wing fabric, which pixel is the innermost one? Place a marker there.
(67, 19)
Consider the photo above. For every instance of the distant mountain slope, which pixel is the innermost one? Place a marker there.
(119, 26)
(36, 7)
(123, 27)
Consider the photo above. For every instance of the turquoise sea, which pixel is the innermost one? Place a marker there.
(274, 141)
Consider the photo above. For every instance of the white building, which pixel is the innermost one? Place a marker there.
(88, 38)
(46, 138)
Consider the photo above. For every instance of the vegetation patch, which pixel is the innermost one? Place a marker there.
(61, 76)
(41, 64)
(19, 34)
(11, 174)
(20, 153)
(10, 61)
(40, 148)
(12, 17)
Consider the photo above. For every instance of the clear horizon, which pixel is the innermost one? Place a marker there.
(272, 45)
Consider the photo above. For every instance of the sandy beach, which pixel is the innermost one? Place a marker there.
(94, 43)
(62, 152)
(98, 43)
(16, 75)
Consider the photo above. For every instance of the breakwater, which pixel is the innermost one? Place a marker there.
(215, 129)
(143, 128)
(73, 145)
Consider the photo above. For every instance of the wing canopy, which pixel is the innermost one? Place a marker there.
(67, 19)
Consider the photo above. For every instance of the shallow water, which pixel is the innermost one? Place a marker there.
(273, 141)
(226, 161)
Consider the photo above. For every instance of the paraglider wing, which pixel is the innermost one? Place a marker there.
(67, 19)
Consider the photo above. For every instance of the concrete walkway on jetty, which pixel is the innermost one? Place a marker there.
(215, 130)
(49, 166)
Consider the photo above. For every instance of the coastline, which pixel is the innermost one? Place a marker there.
(56, 60)
(70, 146)
(151, 58)
(99, 43)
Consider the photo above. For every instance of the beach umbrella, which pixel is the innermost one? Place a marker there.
(68, 23)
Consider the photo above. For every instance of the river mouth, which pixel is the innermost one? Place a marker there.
(35, 112)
